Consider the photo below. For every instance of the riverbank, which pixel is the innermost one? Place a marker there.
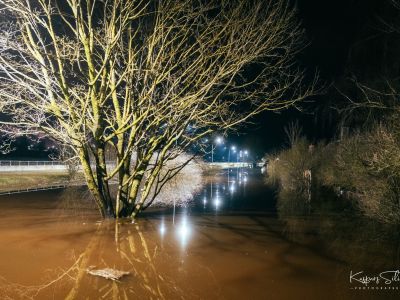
(11, 181)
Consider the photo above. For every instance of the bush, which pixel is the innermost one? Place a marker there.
(182, 187)
(368, 167)
(295, 170)
(364, 167)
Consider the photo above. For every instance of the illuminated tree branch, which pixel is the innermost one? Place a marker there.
(147, 78)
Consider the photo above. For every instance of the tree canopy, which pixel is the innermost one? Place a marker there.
(147, 79)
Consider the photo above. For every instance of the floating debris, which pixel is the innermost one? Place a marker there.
(107, 273)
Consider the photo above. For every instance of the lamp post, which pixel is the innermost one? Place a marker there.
(218, 141)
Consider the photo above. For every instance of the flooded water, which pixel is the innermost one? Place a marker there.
(229, 243)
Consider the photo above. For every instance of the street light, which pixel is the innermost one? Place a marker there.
(218, 141)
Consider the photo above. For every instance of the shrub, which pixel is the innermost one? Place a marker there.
(364, 167)
(368, 166)
(295, 169)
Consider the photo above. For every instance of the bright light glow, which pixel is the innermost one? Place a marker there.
(205, 201)
(218, 140)
(232, 188)
(217, 203)
(163, 229)
(245, 179)
(183, 232)
(233, 148)
(246, 152)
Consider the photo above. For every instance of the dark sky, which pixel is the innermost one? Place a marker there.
(332, 27)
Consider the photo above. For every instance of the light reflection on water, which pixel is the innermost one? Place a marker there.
(183, 231)
(215, 249)
(219, 192)
(216, 197)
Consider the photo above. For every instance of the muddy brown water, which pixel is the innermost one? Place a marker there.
(233, 245)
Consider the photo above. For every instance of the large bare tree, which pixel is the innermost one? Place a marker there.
(148, 78)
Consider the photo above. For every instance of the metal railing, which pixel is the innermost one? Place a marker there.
(18, 163)
(54, 186)
(57, 186)
(28, 190)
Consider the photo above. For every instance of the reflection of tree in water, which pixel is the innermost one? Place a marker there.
(76, 202)
(54, 280)
(155, 272)
(292, 203)
(334, 229)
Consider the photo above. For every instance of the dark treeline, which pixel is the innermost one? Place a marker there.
(362, 162)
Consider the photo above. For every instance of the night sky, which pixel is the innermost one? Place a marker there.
(332, 27)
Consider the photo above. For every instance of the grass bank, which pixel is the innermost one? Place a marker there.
(14, 181)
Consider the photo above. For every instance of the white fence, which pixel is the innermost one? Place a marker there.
(31, 166)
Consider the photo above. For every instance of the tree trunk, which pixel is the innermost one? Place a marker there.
(146, 190)
(121, 200)
(91, 183)
(101, 173)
